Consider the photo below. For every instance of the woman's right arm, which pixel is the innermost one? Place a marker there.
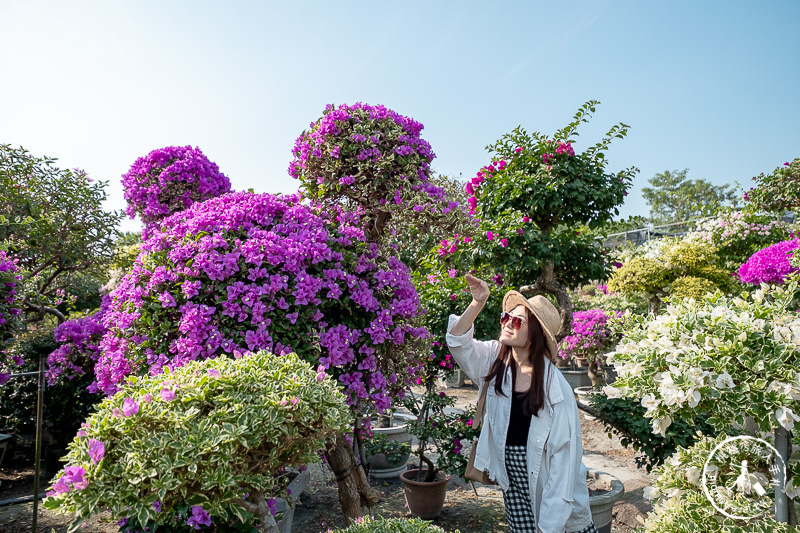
(480, 294)
(472, 356)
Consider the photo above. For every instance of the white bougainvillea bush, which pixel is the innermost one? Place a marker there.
(735, 359)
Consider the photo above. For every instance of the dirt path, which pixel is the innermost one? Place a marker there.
(319, 507)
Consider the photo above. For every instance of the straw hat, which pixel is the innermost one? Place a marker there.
(543, 310)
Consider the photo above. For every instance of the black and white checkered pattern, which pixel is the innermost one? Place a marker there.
(519, 511)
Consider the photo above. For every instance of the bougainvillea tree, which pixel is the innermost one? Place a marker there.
(244, 272)
(373, 160)
(541, 205)
(79, 345)
(169, 180)
(778, 191)
(770, 265)
(593, 334)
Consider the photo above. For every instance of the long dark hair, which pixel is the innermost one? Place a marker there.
(537, 350)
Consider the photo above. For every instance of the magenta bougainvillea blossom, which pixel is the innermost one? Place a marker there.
(9, 321)
(245, 272)
(371, 158)
(171, 179)
(770, 265)
(592, 336)
(79, 348)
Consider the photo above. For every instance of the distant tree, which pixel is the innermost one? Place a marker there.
(777, 191)
(673, 197)
(52, 224)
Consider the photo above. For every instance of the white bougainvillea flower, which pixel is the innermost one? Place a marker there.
(724, 380)
(660, 425)
(786, 417)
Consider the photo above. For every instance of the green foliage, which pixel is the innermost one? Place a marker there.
(394, 450)
(626, 415)
(368, 524)
(53, 222)
(67, 403)
(594, 296)
(232, 427)
(681, 267)
(778, 191)
(673, 197)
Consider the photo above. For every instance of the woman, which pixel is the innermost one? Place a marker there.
(530, 441)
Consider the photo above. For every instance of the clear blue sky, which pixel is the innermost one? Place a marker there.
(710, 86)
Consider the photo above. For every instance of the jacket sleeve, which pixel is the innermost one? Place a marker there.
(563, 453)
(473, 357)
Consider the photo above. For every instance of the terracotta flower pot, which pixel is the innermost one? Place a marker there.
(425, 499)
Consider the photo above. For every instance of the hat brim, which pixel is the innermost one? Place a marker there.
(513, 298)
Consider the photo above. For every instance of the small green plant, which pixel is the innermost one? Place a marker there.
(369, 524)
(394, 450)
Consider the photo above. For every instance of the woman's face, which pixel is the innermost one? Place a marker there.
(515, 337)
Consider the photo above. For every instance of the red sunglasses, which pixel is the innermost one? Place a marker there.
(516, 322)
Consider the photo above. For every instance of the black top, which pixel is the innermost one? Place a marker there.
(520, 423)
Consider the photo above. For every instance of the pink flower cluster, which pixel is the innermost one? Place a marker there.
(245, 272)
(592, 336)
(71, 480)
(169, 180)
(770, 265)
(449, 246)
(80, 345)
(474, 185)
(9, 276)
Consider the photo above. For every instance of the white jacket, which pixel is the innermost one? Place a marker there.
(557, 475)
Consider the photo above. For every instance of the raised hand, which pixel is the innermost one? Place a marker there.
(478, 288)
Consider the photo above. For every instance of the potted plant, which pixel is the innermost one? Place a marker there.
(441, 432)
(594, 334)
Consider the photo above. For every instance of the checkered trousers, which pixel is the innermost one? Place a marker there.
(519, 511)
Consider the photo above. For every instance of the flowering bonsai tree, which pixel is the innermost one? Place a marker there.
(593, 335)
(734, 359)
(541, 205)
(169, 180)
(372, 159)
(205, 445)
(244, 272)
(770, 265)
(777, 191)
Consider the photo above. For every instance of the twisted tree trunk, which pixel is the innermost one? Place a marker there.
(354, 490)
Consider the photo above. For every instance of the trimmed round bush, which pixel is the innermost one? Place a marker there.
(207, 444)
(246, 272)
(171, 179)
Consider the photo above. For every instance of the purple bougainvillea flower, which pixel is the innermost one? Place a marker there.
(130, 407)
(213, 372)
(167, 395)
(272, 503)
(96, 450)
(199, 517)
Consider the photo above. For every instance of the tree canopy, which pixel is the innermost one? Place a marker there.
(673, 197)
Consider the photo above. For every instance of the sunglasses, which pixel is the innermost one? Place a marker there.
(516, 322)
